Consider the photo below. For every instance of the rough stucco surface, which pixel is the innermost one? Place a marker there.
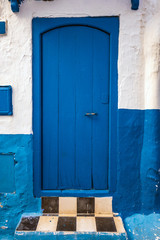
(138, 177)
(152, 62)
(16, 52)
(140, 227)
(12, 205)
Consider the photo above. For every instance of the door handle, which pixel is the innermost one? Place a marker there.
(90, 114)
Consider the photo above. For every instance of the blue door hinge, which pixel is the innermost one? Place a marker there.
(15, 5)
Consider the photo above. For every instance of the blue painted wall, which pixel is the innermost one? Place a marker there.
(150, 162)
(143, 227)
(130, 141)
(138, 176)
(138, 163)
(7, 173)
(12, 205)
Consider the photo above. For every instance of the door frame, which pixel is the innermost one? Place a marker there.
(108, 25)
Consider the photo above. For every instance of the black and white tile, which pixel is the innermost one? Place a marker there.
(50, 205)
(85, 206)
(71, 224)
(89, 206)
(28, 224)
(71, 214)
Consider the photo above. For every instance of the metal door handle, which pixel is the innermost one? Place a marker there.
(90, 114)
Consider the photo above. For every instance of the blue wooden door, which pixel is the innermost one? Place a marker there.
(75, 103)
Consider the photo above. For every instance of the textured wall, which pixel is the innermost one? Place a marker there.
(13, 204)
(143, 227)
(138, 161)
(152, 63)
(138, 164)
(16, 51)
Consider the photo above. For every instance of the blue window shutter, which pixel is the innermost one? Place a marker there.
(2, 27)
(6, 100)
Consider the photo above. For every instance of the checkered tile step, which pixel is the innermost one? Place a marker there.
(73, 215)
(89, 206)
(71, 224)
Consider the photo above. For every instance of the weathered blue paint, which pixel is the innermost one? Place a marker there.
(12, 205)
(137, 191)
(150, 162)
(42, 32)
(138, 185)
(143, 227)
(6, 100)
(135, 4)
(2, 27)
(7, 237)
(7, 174)
(74, 236)
(130, 142)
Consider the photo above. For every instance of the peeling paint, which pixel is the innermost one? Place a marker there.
(22, 200)
(4, 227)
(1, 206)
(143, 227)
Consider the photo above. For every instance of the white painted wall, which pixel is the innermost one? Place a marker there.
(152, 63)
(16, 53)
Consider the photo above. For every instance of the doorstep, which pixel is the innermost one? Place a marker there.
(72, 218)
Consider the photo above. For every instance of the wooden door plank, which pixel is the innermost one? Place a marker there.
(50, 109)
(67, 76)
(101, 73)
(84, 105)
